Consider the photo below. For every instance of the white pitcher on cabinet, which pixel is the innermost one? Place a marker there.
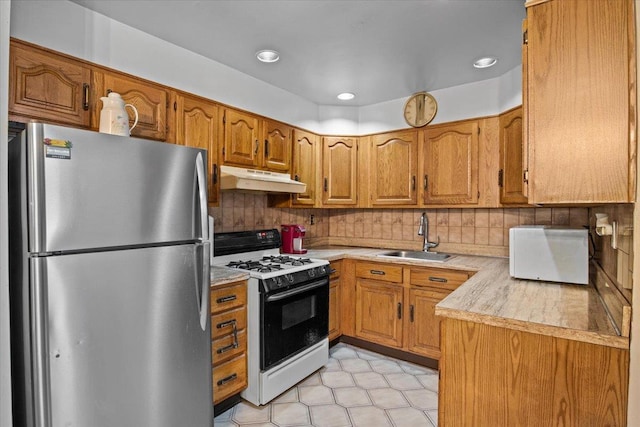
(114, 118)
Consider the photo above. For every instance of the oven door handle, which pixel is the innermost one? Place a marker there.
(296, 291)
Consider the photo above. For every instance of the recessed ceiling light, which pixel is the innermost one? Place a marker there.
(485, 62)
(345, 96)
(268, 55)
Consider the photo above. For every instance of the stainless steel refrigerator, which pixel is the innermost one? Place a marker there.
(109, 281)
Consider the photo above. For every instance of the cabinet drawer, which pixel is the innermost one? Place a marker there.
(223, 323)
(446, 279)
(222, 348)
(229, 378)
(227, 297)
(370, 270)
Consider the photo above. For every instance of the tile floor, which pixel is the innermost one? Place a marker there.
(356, 388)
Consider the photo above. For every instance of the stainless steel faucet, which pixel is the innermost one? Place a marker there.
(423, 230)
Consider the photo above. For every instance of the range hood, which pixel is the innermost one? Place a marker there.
(232, 178)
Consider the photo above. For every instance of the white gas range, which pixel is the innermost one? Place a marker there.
(288, 311)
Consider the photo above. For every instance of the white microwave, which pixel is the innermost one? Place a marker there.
(549, 253)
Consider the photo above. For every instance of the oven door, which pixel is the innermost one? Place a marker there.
(292, 320)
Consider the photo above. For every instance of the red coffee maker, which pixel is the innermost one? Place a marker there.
(292, 236)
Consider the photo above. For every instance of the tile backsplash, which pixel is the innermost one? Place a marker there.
(480, 231)
(473, 231)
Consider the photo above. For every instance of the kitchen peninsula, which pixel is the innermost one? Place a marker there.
(539, 342)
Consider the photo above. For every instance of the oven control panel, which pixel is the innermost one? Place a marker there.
(298, 278)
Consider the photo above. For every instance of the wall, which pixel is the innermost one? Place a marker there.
(617, 263)
(478, 231)
(67, 27)
(5, 359)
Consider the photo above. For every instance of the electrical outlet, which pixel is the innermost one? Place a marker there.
(312, 219)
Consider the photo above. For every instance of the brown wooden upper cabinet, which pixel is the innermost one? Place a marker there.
(276, 153)
(580, 93)
(450, 162)
(256, 143)
(241, 144)
(197, 126)
(511, 174)
(339, 171)
(48, 86)
(393, 168)
(306, 166)
(150, 100)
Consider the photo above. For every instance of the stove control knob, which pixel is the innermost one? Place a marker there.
(278, 281)
(289, 277)
(312, 272)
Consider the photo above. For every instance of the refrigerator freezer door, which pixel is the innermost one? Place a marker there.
(125, 344)
(90, 190)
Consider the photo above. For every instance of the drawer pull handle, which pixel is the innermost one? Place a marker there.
(333, 270)
(399, 310)
(226, 299)
(231, 322)
(227, 348)
(411, 313)
(235, 343)
(437, 279)
(377, 272)
(227, 379)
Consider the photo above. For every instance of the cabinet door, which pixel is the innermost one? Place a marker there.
(334, 309)
(277, 146)
(241, 139)
(581, 95)
(379, 312)
(339, 166)
(48, 87)
(511, 176)
(424, 325)
(305, 168)
(393, 167)
(149, 99)
(451, 164)
(197, 126)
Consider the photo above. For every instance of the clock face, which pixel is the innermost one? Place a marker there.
(420, 109)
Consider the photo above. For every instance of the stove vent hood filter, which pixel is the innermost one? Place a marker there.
(240, 179)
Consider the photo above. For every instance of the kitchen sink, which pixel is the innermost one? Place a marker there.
(427, 256)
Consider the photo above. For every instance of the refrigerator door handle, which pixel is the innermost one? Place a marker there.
(39, 344)
(204, 235)
(202, 195)
(204, 288)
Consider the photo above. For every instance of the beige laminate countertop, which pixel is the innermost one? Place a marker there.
(222, 276)
(492, 297)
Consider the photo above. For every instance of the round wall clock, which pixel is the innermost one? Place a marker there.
(420, 109)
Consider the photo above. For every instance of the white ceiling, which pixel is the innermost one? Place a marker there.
(380, 50)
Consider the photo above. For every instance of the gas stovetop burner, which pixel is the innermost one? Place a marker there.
(285, 259)
(254, 266)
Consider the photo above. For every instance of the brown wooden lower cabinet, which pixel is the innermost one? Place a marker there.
(335, 300)
(492, 376)
(395, 304)
(229, 339)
